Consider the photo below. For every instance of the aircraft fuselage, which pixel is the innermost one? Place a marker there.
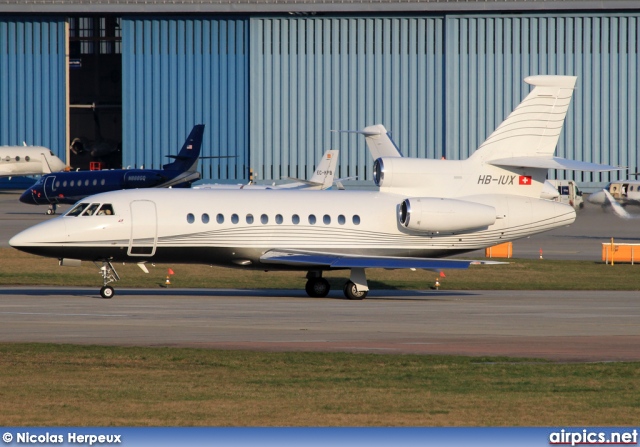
(235, 228)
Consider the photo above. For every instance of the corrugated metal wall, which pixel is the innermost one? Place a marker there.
(489, 56)
(313, 75)
(178, 72)
(32, 82)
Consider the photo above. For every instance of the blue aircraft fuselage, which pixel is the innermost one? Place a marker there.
(69, 187)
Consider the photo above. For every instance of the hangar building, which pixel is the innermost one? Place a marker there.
(272, 78)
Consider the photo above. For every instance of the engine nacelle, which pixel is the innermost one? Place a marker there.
(435, 215)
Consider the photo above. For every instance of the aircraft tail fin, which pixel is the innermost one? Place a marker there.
(187, 158)
(532, 130)
(378, 141)
(326, 169)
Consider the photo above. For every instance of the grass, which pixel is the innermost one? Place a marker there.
(51, 385)
(520, 274)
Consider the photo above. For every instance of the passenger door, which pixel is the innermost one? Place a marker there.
(144, 228)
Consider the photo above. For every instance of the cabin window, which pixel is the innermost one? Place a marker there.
(7, 158)
(205, 218)
(71, 183)
(279, 219)
(91, 209)
(191, 218)
(312, 219)
(102, 182)
(17, 158)
(341, 219)
(77, 210)
(264, 219)
(64, 184)
(220, 218)
(86, 182)
(57, 183)
(234, 218)
(356, 220)
(249, 219)
(326, 219)
(95, 182)
(106, 210)
(295, 219)
(27, 158)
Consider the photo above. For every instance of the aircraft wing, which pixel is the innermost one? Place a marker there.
(337, 260)
(554, 163)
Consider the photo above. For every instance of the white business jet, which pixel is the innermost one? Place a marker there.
(322, 177)
(28, 160)
(424, 210)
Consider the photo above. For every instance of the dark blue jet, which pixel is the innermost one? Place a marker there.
(69, 187)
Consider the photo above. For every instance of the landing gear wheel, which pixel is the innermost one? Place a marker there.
(107, 292)
(352, 293)
(317, 287)
(50, 212)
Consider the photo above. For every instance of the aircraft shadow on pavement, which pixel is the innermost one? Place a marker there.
(378, 295)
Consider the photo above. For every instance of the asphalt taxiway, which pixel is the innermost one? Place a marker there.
(558, 325)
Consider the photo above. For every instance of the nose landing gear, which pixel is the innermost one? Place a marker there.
(109, 275)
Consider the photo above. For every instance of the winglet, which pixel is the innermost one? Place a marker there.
(617, 208)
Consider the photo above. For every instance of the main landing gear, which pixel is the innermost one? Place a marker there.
(109, 274)
(354, 289)
(52, 209)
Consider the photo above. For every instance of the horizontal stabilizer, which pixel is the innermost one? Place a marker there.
(335, 260)
(306, 182)
(378, 141)
(553, 163)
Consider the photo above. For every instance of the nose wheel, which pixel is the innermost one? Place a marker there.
(107, 292)
(52, 209)
(109, 275)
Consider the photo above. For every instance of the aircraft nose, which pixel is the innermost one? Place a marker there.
(597, 198)
(28, 197)
(57, 165)
(40, 238)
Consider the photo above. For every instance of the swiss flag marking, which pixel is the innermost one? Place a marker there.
(524, 180)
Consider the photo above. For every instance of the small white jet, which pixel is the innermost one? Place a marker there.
(424, 210)
(28, 160)
(624, 192)
(322, 177)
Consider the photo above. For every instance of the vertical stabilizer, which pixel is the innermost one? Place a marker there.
(326, 169)
(533, 128)
(379, 142)
(187, 158)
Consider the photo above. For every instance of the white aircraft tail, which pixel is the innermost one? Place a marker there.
(378, 141)
(530, 133)
(326, 169)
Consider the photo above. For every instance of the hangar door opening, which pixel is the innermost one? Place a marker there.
(95, 92)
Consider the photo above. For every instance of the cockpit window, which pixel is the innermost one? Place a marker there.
(77, 210)
(91, 209)
(106, 209)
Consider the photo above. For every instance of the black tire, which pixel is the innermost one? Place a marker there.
(351, 293)
(107, 292)
(317, 287)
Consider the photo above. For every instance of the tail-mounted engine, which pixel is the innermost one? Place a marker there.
(435, 215)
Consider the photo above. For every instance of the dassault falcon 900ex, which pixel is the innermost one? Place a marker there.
(423, 210)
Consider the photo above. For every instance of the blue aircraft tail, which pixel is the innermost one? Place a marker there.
(187, 158)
